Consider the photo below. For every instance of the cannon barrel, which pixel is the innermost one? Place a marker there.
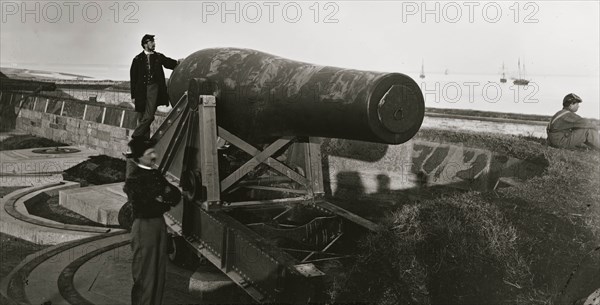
(261, 96)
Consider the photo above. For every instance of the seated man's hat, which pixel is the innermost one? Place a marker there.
(571, 98)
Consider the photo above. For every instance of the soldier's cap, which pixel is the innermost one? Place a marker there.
(138, 146)
(571, 98)
(147, 38)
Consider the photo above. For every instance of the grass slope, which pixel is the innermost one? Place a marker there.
(27, 141)
(519, 245)
(12, 249)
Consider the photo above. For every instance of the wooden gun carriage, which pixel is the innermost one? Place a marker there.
(242, 142)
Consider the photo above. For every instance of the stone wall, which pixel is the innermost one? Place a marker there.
(102, 127)
(360, 168)
(354, 166)
(113, 97)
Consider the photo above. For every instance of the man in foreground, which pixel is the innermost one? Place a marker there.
(151, 196)
(568, 130)
(148, 86)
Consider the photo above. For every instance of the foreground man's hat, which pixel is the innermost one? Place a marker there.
(138, 146)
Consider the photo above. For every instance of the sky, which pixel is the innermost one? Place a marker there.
(558, 42)
(99, 38)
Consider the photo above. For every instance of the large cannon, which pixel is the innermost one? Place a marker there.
(242, 142)
(261, 95)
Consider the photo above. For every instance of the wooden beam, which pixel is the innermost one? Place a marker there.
(256, 160)
(349, 215)
(208, 147)
(271, 162)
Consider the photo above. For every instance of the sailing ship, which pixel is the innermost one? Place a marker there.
(422, 75)
(521, 81)
(503, 79)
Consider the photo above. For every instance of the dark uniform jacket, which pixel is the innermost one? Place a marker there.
(144, 187)
(139, 78)
(563, 123)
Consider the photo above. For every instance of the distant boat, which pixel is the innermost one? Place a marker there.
(446, 72)
(422, 70)
(521, 81)
(503, 79)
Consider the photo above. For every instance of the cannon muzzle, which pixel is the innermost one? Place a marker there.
(262, 96)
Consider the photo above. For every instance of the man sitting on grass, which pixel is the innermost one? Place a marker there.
(568, 130)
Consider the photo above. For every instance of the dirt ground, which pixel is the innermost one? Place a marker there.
(528, 244)
(533, 243)
(12, 249)
(27, 141)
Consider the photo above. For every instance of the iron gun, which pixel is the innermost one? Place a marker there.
(266, 222)
(262, 96)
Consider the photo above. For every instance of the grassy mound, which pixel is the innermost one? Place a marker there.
(97, 170)
(27, 141)
(12, 252)
(516, 245)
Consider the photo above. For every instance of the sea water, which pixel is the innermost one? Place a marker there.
(482, 92)
(543, 95)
